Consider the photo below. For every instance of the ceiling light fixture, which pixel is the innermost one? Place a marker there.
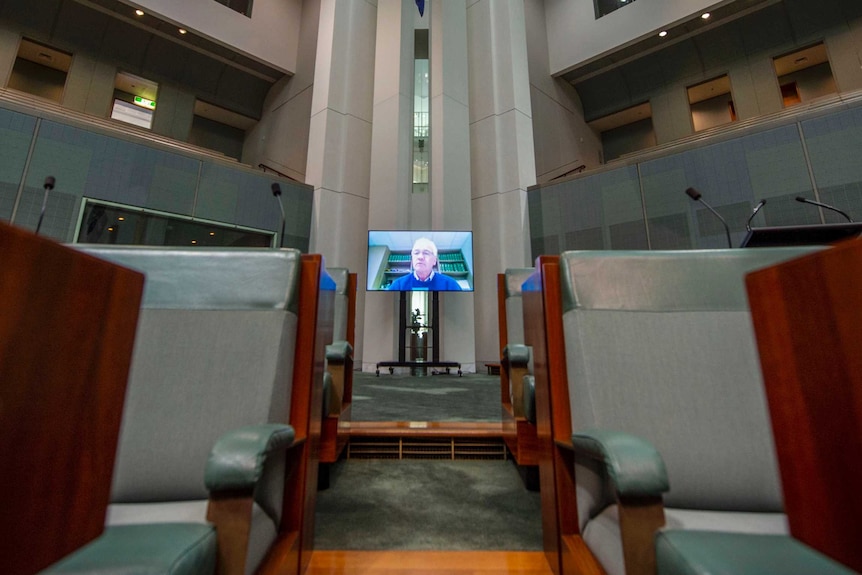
(662, 34)
(705, 15)
(139, 12)
(183, 31)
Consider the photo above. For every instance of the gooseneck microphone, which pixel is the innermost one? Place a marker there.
(276, 191)
(49, 185)
(696, 196)
(827, 206)
(754, 213)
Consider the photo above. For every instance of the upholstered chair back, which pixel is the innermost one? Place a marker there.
(214, 352)
(340, 276)
(514, 304)
(660, 344)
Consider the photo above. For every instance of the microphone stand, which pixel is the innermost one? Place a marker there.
(759, 205)
(696, 196)
(49, 185)
(827, 206)
(276, 191)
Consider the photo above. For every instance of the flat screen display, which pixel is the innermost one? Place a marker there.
(401, 260)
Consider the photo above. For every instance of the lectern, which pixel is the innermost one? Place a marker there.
(67, 327)
(807, 316)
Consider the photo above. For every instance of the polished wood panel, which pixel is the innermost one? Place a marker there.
(425, 429)
(543, 331)
(292, 551)
(807, 315)
(519, 434)
(67, 328)
(336, 426)
(503, 336)
(428, 563)
(534, 336)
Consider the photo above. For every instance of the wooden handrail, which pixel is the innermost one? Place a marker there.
(266, 168)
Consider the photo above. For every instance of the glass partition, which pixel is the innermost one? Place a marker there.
(93, 163)
(640, 203)
(103, 223)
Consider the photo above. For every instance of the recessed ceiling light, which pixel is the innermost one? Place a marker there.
(705, 15)
(662, 34)
(183, 31)
(139, 12)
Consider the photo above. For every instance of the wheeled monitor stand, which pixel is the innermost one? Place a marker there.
(403, 346)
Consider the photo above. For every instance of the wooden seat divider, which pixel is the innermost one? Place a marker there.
(67, 330)
(807, 316)
(519, 431)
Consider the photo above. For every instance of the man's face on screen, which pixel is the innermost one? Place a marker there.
(424, 258)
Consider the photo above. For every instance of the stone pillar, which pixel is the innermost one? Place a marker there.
(501, 153)
(340, 133)
(451, 205)
(390, 165)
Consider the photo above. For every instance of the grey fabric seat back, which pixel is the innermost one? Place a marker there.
(340, 277)
(660, 344)
(514, 304)
(214, 351)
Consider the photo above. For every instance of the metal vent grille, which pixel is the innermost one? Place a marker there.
(426, 448)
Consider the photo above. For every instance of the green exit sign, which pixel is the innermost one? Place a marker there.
(144, 102)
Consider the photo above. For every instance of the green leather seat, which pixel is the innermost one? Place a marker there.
(206, 412)
(667, 399)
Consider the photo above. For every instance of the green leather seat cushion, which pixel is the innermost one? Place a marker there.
(716, 553)
(152, 549)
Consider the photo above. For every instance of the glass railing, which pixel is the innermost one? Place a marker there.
(104, 161)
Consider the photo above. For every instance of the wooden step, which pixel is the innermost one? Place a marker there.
(428, 563)
(426, 440)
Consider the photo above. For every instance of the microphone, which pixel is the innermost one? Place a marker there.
(696, 196)
(827, 206)
(276, 191)
(754, 213)
(49, 185)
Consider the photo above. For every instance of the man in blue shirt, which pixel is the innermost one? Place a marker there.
(423, 277)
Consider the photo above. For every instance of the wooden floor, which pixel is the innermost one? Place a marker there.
(428, 563)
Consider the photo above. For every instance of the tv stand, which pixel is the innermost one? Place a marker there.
(447, 365)
(418, 345)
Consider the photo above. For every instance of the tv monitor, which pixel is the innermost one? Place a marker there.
(424, 260)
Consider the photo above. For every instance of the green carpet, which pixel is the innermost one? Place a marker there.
(383, 504)
(470, 397)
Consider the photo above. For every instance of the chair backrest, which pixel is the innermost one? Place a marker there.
(341, 277)
(214, 351)
(660, 344)
(514, 277)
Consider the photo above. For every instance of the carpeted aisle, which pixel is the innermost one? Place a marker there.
(378, 504)
(471, 397)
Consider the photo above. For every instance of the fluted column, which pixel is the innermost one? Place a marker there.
(501, 152)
